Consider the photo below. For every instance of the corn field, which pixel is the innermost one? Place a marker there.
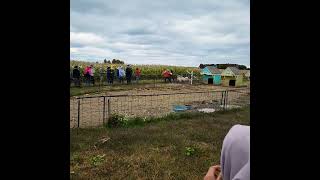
(147, 70)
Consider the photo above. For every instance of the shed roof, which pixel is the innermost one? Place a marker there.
(220, 70)
(235, 70)
(214, 70)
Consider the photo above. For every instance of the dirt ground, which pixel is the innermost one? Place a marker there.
(148, 101)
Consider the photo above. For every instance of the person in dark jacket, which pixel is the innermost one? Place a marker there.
(117, 74)
(112, 75)
(76, 76)
(172, 77)
(109, 75)
(128, 74)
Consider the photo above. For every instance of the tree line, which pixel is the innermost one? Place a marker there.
(114, 61)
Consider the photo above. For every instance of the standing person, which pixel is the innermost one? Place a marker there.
(111, 76)
(137, 74)
(171, 75)
(86, 74)
(76, 76)
(117, 73)
(235, 156)
(167, 75)
(128, 74)
(164, 74)
(92, 71)
(121, 74)
(108, 75)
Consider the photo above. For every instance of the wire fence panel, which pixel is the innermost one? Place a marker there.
(94, 111)
(86, 112)
(238, 98)
(73, 113)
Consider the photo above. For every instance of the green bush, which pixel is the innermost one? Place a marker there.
(189, 151)
(97, 160)
(117, 120)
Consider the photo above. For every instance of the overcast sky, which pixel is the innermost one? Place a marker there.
(173, 32)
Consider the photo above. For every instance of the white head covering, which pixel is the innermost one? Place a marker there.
(235, 154)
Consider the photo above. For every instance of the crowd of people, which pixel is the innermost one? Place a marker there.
(119, 73)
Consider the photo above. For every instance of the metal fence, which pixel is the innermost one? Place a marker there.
(144, 79)
(95, 111)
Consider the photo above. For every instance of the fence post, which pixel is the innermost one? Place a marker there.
(227, 94)
(224, 102)
(78, 113)
(221, 102)
(104, 109)
(109, 108)
(224, 99)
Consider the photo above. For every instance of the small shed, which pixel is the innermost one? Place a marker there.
(232, 76)
(211, 75)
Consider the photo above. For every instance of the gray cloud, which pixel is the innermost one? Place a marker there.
(172, 32)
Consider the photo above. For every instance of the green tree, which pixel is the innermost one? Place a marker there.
(242, 67)
(222, 66)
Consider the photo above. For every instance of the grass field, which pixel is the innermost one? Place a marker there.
(153, 151)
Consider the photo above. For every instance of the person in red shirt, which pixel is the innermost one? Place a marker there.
(137, 74)
(167, 75)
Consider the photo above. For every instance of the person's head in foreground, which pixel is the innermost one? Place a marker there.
(235, 156)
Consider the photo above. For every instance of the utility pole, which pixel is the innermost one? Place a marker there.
(191, 76)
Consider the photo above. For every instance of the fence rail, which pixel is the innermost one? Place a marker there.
(95, 110)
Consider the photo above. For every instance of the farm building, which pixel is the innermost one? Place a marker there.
(232, 76)
(211, 75)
